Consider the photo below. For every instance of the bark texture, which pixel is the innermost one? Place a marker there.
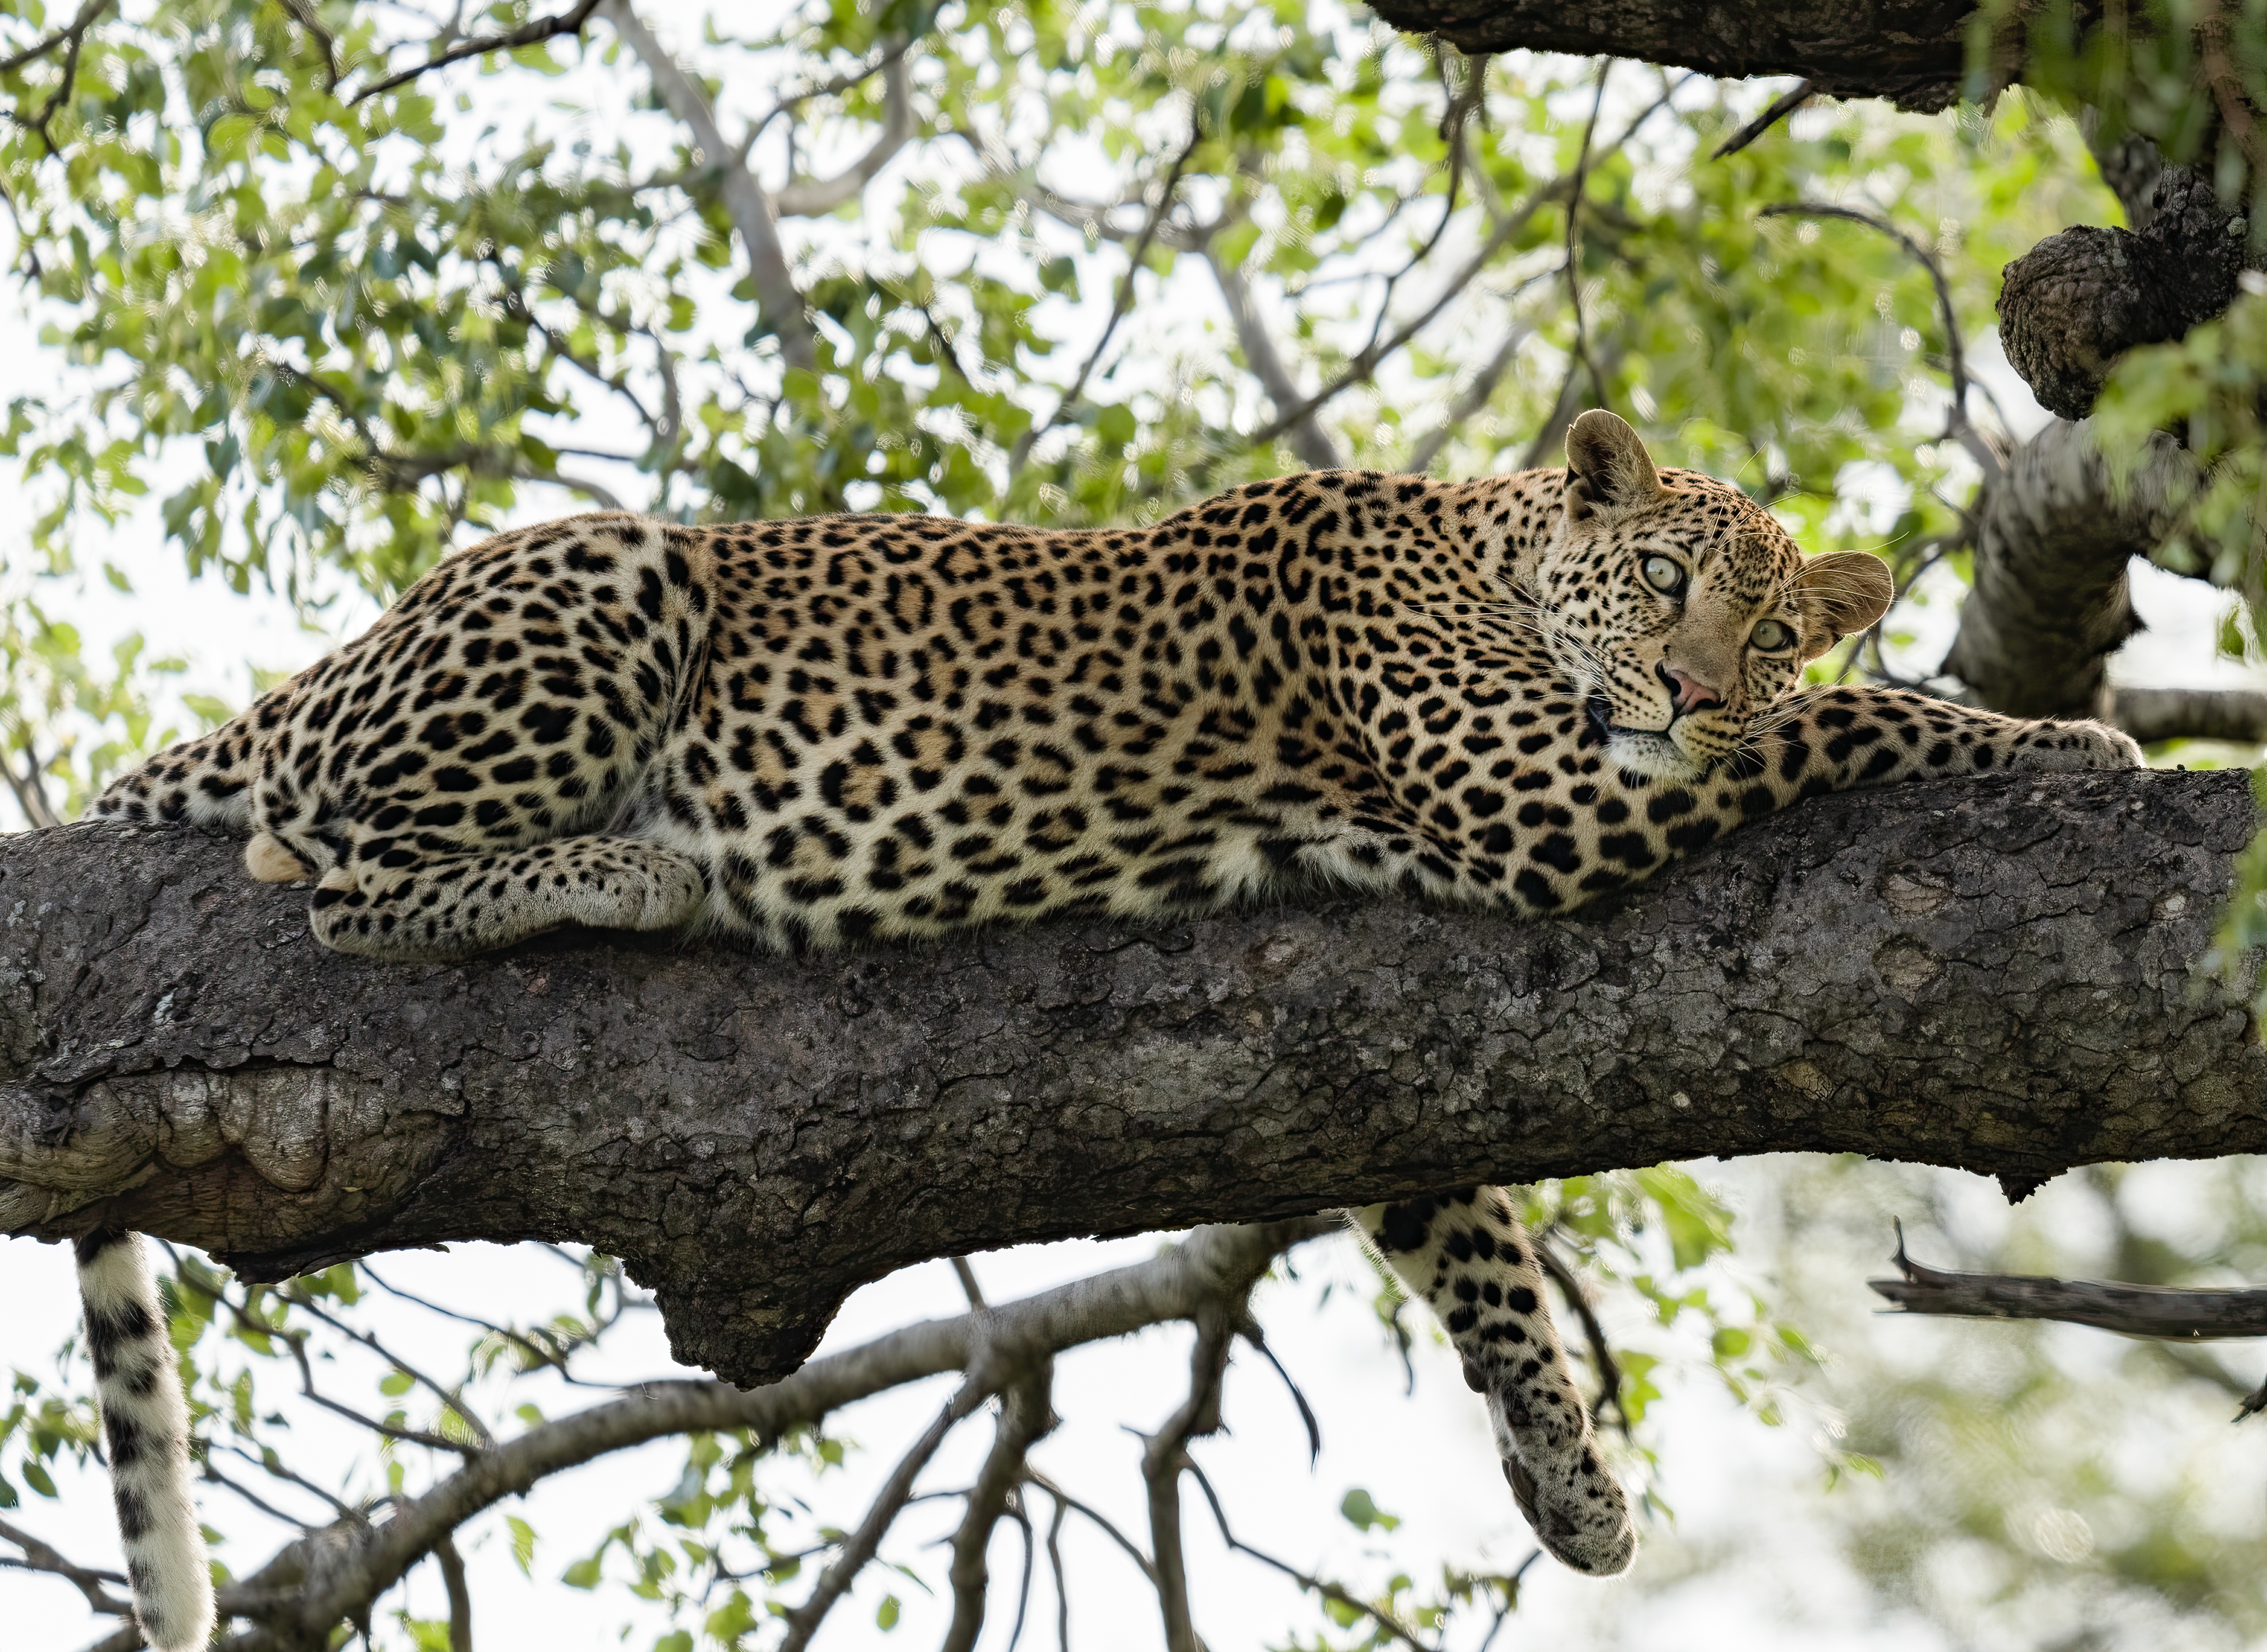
(2055, 533)
(1995, 975)
(2072, 303)
(1912, 51)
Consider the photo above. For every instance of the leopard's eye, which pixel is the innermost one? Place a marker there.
(1771, 635)
(1662, 574)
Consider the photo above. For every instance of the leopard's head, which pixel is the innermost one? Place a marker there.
(1679, 606)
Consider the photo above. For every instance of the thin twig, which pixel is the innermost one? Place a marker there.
(1120, 306)
(531, 32)
(1956, 423)
(1573, 230)
(1313, 1585)
(860, 1547)
(1781, 106)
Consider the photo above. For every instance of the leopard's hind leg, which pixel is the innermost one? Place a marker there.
(410, 908)
(1466, 1255)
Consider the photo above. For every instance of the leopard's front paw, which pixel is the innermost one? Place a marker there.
(2065, 747)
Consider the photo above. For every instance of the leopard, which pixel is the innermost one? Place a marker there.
(1523, 692)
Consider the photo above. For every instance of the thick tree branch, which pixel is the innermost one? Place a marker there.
(777, 296)
(1912, 51)
(2054, 535)
(1993, 974)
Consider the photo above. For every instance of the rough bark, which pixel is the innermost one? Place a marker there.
(2072, 303)
(1995, 975)
(2055, 533)
(1914, 52)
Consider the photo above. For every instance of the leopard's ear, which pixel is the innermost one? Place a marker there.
(1608, 469)
(1845, 592)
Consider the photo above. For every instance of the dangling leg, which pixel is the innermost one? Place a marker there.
(438, 909)
(1467, 1256)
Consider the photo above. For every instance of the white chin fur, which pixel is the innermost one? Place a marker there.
(1653, 755)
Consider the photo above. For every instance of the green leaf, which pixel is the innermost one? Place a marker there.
(522, 1544)
(1365, 1514)
(885, 1615)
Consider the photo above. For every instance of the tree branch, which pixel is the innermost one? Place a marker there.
(1026, 1417)
(2152, 714)
(812, 197)
(1780, 107)
(778, 299)
(2150, 1311)
(532, 33)
(1993, 974)
(1912, 51)
(1294, 413)
(2054, 535)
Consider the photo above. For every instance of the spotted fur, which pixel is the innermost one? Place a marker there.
(1466, 1255)
(145, 1432)
(1521, 692)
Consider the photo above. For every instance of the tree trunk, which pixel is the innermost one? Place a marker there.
(1996, 975)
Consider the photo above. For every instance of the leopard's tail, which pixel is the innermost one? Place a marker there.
(1466, 1255)
(145, 1430)
(206, 781)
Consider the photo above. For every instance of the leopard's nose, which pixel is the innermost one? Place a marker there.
(1688, 692)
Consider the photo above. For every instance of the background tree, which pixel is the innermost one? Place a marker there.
(323, 290)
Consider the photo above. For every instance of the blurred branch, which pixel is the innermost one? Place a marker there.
(42, 1557)
(2152, 714)
(778, 299)
(29, 791)
(1573, 266)
(1957, 426)
(2054, 534)
(1365, 364)
(2146, 1311)
(1781, 106)
(461, 1595)
(1309, 440)
(532, 33)
(1120, 306)
(812, 197)
(72, 38)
